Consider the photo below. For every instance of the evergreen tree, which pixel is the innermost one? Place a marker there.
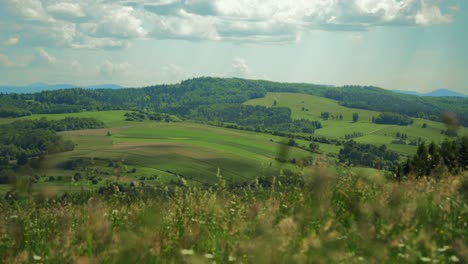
(421, 160)
(463, 155)
(355, 117)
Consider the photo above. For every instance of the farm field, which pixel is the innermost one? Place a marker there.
(163, 151)
(160, 152)
(111, 118)
(310, 107)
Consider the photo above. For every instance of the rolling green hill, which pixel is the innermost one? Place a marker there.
(310, 107)
(164, 151)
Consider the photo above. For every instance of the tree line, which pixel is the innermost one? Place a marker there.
(377, 99)
(22, 140)
(367, 155)
(435, 159)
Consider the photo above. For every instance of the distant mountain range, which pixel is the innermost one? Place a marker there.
(39, 87)
(440, 92)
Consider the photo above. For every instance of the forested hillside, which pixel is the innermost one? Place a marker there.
(189, 98)
(377, 99)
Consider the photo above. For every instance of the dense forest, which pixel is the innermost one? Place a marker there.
(367, 155)
(393, 119)
(258, 117)
(22, 140)
(434, 160)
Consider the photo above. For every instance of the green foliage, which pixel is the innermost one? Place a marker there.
(258, 117)
(436, 159)
(22, 140)
(318, 217)
(394, 119)
(377, 99)
(367, 155)
(143, 115)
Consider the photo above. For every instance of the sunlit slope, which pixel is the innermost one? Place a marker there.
(194, 151)
(310, 107)
(110, 118)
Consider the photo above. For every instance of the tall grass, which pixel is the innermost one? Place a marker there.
(323, 216)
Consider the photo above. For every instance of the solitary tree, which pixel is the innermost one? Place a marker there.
(314, 147)
(291, 142)
(355, 117)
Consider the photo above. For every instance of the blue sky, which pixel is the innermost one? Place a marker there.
(396, 44)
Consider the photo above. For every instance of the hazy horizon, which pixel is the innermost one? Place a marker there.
(414, 45)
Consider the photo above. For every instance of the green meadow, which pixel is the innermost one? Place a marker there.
(164, 151)
(310, 107)
(111, 118)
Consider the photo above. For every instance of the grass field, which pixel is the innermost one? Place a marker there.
(373, 133)
(111, 118)
(328, 217)
(164, 150)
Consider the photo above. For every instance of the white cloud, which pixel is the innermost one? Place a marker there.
(44, 56)
(431, 15)
(65, 9)
(109, 68)
(28, 9)
(239, 68)
(114, 24)
(120, 21)
(11, 41)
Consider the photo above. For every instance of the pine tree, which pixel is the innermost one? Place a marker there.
(421, 160)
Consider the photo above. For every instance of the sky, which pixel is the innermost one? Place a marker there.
(417, 45)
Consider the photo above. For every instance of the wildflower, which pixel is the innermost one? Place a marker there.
(454, 259)
(187, 252)
(443, 249)
(425, 259)
(209, 256)
(36, 257)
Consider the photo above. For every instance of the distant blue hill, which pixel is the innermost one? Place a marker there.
(39, 87)
(439, 93)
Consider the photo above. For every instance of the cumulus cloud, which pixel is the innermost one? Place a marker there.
(28, 9)
(114, 24)
(64, 9)
(45, 57)
(239, 68)
(119, 21)
(108, 68)
(11, 41)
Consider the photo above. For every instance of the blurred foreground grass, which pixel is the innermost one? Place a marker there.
(323, 216)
